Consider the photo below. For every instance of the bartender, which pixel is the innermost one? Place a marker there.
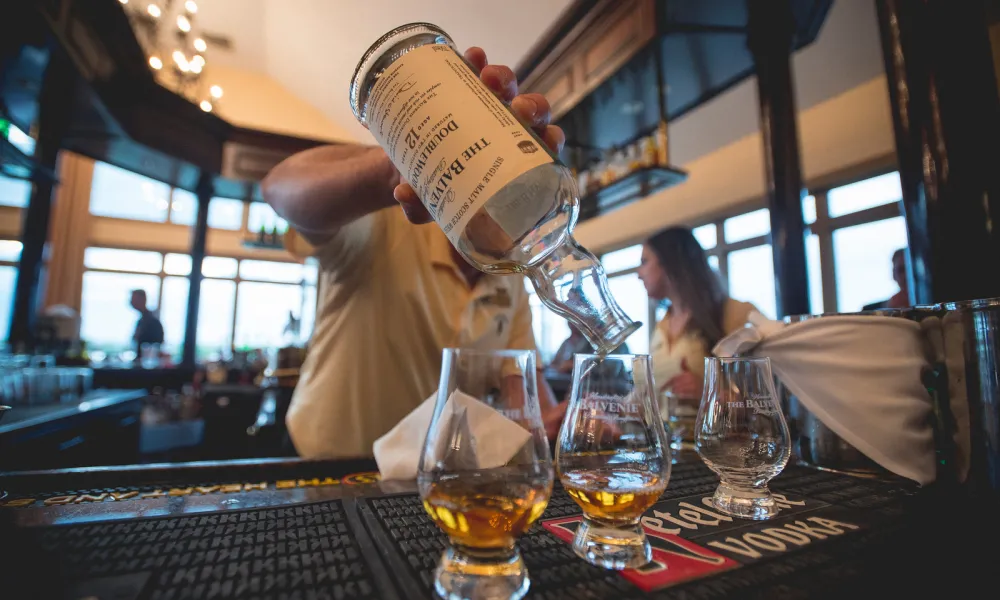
(393, 295)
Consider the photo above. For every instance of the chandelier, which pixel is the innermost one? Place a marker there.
(174, 46)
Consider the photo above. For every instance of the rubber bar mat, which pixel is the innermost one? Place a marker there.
(301, 551)
(823, 544)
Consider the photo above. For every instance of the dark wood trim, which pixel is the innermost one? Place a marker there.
(198, 238)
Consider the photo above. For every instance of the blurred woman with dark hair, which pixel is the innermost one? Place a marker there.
(675, 268)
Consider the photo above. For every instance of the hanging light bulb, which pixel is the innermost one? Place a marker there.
(191, 6)
(200, 45)
(181, 61)
(215, 91)
(206, 106)
(155, 62)
(154, 11)
(198, 59)
(196, 67)
(123, 1)
(183, 23)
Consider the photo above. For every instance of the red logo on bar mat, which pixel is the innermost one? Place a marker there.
(675, 560)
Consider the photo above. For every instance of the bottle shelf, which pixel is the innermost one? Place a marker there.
(636, 185)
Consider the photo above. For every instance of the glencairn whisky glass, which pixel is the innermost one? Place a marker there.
(613, 457)
(741, 434)
(485, 473)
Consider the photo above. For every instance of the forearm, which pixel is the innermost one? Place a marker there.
(325, 188)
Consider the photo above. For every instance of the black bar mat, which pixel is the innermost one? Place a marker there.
(836, 535)
(301, 551)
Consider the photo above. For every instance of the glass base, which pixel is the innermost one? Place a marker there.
(470, 574)
(616, 548)
(747, 503)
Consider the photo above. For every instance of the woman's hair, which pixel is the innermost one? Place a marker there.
(694, 284)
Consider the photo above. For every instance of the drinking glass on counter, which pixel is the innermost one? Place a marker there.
(741, 434)
(613, 457)
(678, 413)
(485, 473)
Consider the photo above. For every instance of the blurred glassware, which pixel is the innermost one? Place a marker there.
(679, 414)
(613, 457)
(741, 434)
(150, 356)
(485, 472)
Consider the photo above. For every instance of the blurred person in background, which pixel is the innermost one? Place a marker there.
(675, 269)
(148, 329)
(900, 299)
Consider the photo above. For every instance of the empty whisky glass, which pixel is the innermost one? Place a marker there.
(613, 457)
(741, 434)
(485, 473)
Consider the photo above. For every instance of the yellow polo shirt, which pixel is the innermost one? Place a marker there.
(391, 299)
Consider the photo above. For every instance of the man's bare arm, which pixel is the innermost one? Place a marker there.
(322, 189)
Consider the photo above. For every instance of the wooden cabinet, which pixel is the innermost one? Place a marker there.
(601, 43)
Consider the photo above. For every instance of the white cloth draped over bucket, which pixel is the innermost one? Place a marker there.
(860, 376)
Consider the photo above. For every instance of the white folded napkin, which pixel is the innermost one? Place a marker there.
(495, 438)
(860, 376)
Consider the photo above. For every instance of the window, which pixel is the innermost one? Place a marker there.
(177, 264)
(119, 193)
(863, 262)
(10, 251)
(20, 140)
(271, 271)
(107, 322)
(8, 275)
(809, 210)
(14, 192)
(864, 194)
(751, 278)
(746, 226)
(550, 329)
(630, 293)
(173, 313)
(223, 213)
(815, 274)
(262, 216)
(621, 260)
(263, 306)
(262, 312)
(183, 207)
(707, 236)
(112, 259)
(215, 318)
(218, 266)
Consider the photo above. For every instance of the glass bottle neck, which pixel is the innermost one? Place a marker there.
(572, 282)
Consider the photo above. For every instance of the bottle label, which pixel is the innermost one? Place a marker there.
(448, 135)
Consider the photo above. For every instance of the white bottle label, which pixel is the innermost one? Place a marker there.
(449, 136)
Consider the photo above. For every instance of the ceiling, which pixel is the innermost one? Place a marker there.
(311, 47)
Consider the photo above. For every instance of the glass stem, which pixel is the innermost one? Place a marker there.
(572, 283)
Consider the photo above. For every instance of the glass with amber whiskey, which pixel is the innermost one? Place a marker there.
(485, 473)
(613, 457)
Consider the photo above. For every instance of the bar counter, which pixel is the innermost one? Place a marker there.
(290, 528)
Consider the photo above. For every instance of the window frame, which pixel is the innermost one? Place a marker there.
(237, 280)
(824, 226)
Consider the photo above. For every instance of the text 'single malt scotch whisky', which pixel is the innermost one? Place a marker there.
(502, 198)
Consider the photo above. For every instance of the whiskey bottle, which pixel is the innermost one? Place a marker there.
(503, 199)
